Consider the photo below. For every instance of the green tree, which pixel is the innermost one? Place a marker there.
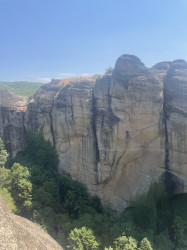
(163, 242)
(74, 196)
(45, 196)
(82, 239)
(21, 187)
(125, 243)
(5, 178)
(145, 245)
(180, 229)
(145, 206)
(3, 154)
(109, 70)
(41, 152)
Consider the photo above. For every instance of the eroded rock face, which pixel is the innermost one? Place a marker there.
(175, 120)
(117, 133)
(127, 131)
(67, 121)
(18, 233)
(12, 130)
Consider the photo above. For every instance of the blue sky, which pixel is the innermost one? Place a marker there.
(43, 39)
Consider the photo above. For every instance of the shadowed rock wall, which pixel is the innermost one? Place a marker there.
(12, 130)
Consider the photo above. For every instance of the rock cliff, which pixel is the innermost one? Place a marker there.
(12, 111)
(19, 233)
(116, 133)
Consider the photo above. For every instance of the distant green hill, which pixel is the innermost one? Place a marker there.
(22, 88)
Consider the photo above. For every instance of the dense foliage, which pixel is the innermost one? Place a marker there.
(3, 154)
(82, 238)
(22, 88)
(33, 188)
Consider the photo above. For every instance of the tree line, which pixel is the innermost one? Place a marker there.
(33, 188)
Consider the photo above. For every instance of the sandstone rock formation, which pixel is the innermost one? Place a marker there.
(12, 131)
(117, 133)
(174, 118)
(17, 233)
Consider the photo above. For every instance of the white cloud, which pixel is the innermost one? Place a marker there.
(38, 78)
(68, 75)
(63, 75)
(44, 79)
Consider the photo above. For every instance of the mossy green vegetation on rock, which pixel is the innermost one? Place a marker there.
(64, 208)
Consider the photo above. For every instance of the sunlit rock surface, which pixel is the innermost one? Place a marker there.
(18, 233)
(117, 133)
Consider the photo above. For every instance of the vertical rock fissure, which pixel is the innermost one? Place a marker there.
(94, 130)
(112, 118)
(109, 98)
(51, 117)
(169, 185)
(24, 130)
(51, 125)
(166, 141)
(72, 112)
(171, 181)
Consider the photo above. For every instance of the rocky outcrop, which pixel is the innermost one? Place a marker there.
(12, 130)
(118, 133)
(174, 117)
(19, 233)
(62, 111)
(127, 131)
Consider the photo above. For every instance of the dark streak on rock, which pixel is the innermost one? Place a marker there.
(166, 142)
(167, 177)
(176, 110)
(72, 112)
(112, 118)
(172, 182)
(51, 125)
(94, 129)
(125, 83)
